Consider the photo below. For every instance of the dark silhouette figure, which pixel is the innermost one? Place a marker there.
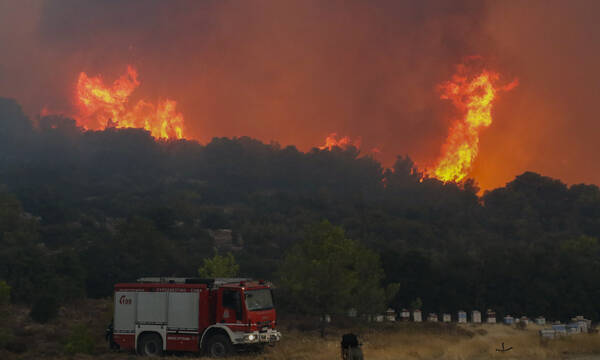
(351, 347)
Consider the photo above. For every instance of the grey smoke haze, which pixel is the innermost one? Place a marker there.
(295, 71)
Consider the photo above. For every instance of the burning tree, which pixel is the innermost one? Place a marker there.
(102, 107)
(473, 94)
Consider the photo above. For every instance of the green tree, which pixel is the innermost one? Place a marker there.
(327, 273)
(219, 266)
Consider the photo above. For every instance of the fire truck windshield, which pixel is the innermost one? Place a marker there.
(260, 299)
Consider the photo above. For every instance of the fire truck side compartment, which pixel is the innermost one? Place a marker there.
(152, 308)
(183, 311)
(125, 309)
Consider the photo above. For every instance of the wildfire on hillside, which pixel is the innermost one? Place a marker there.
(473, 96)
(102, 107)
(343, 142)
(472, 92)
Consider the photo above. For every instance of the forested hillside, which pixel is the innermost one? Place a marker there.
(80, 211)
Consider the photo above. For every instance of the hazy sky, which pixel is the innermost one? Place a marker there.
(295, 71)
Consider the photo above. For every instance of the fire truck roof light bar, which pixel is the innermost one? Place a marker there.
(191, 280)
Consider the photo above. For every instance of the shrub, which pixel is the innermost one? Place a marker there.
(4, 301)
(80, 341)
(17, 345)
(4, 293)
(44, 309)
(6, 336)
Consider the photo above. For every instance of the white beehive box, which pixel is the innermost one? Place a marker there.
(462, 317)
(447, 318)
(390, 315)
(417, 316)
(476, 317)
(405, 315)
(548, 333)
(490, 317)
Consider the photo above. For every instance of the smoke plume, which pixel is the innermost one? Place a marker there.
(296, 71)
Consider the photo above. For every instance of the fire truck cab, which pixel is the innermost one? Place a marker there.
(216, 316)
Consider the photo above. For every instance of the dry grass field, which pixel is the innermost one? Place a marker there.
(301, 341)
(425, 341)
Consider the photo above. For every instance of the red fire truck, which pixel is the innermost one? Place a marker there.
(216, 316)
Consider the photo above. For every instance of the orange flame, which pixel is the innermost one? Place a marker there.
(473, 97)
(334, 140)
(102, 107)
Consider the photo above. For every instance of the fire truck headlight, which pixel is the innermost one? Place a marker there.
(251, 337)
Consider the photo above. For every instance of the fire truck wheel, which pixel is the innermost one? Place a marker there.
(150, 345)
(219, 346)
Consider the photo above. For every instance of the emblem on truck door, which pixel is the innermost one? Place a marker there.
(124, 300)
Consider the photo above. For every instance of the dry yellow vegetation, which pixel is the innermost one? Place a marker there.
(301, 340)
(425, 341)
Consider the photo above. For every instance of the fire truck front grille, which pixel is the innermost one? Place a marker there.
(263, 325)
